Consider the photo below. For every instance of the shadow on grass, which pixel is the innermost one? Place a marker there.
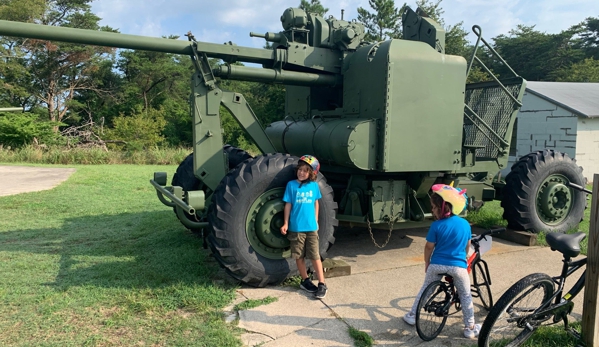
(129, 250)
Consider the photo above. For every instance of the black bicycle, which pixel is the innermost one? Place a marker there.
(440, 298)
(533, 300)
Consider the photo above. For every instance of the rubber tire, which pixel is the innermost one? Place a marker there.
(425, 332)
(482, 284)
(524, 183)
(232, 200)
(186, 179)
(514, 293)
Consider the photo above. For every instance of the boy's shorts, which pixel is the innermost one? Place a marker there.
(304, 245)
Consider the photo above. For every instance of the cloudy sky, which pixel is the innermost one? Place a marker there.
(220, 21)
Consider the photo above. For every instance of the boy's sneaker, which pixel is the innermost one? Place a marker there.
(410, 318)
(472, 333)
(308, 286)
(322, 291)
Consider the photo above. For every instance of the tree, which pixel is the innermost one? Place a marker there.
(57, 72)
(536, 55)
(313, 6)
(384, 23)
(589, 36)
(585, 71)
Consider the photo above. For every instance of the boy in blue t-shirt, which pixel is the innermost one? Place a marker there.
(301, 222)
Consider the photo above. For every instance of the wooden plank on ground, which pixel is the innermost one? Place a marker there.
(521, 237)
(590, 331)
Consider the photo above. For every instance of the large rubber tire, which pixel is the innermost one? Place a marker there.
(431, 315)
(506, 324)
(185, 177)
(482, 285)
(246, 215)
(536, 196)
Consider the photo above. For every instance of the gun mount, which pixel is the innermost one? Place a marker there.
(386, 119)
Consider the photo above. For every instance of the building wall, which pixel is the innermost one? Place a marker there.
(587, 146)
(542, 124)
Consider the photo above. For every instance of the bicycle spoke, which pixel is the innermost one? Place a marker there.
(509, 322)
(432, 311)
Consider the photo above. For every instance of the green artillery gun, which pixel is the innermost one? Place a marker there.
(11, 109)
(387, 120)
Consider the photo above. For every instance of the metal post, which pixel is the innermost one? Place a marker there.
(590, 330)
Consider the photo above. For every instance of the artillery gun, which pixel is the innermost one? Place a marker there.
(386, 119)
(11, 109)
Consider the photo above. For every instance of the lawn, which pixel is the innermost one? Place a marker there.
(99, 261)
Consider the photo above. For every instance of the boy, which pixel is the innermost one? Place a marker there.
(301, 220)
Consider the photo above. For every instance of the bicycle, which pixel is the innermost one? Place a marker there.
(440, 296)
(533, 301)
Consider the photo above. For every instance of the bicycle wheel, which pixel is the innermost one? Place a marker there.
(481, 284)
(433, 307)
(508, 323)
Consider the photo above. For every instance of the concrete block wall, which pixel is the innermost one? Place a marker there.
(542, 124)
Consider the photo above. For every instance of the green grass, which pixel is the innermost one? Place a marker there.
(361, 339)
(99, 261)
(252, 303)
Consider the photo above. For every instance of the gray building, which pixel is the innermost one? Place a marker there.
(563, 116)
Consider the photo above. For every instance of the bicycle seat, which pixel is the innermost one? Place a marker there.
(566, 244)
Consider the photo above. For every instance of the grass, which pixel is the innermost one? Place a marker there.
(99, 261)
(94, 156)
(361, 339)
(253, 303)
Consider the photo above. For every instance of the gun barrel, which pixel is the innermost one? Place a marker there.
(244, 73)
(155, 44)
(11, 109)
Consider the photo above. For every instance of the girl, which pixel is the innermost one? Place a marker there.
(447, 245)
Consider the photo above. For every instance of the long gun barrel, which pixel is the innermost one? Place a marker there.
(109, 39)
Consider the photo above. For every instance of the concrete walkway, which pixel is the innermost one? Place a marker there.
(378, 293)
(24, 179)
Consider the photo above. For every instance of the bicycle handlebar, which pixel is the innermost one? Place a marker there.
(487, 232)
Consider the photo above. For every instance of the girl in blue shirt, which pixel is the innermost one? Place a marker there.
(445, 251)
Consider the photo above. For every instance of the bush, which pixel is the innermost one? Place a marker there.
(20, 129)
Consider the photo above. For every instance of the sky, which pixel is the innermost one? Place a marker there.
(219, 21)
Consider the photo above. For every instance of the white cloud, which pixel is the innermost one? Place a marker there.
(232, 20)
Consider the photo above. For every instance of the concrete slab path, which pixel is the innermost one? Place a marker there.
(380, 290)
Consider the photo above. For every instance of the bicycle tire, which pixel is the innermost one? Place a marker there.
(431, 315)
(482, 285)
(501, 328)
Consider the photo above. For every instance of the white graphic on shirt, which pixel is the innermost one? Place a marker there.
(303, 198)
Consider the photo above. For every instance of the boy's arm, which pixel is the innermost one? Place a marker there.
(286, 213)
(316, 211)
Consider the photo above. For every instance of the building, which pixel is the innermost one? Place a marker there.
(563, 116)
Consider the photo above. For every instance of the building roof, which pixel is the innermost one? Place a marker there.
(578, 97)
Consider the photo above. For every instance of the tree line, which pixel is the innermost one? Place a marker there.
(78, 95)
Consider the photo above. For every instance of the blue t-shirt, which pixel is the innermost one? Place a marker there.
(302, 199)
(450, 236)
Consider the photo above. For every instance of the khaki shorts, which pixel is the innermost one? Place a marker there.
(304, 245)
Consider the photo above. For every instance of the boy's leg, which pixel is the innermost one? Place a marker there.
(317, 263)
(301, 266)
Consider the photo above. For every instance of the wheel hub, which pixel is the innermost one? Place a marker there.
(264, 221)
(554, 200)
